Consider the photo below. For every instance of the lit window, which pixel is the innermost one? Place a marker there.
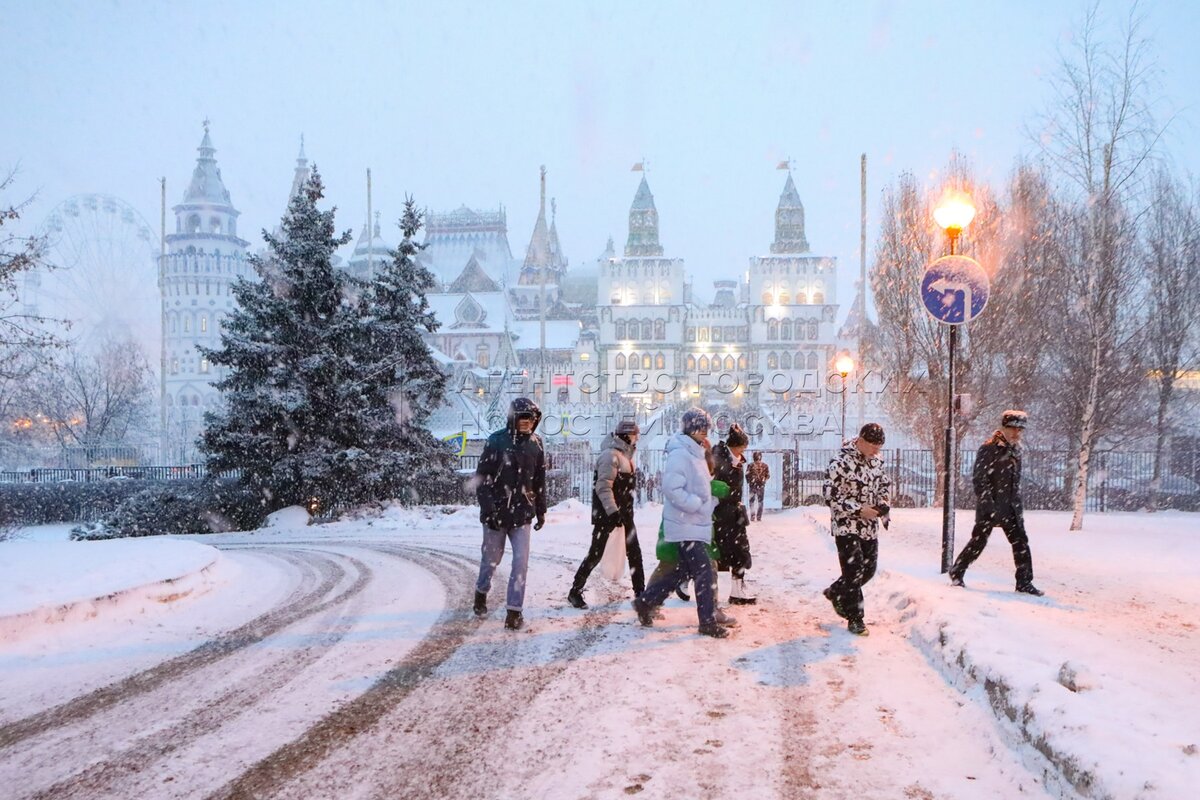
(204, 365)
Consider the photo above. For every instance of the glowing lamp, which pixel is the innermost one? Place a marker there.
(844, 365)
(954, 212)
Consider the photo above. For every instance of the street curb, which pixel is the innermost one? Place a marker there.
(1062, 771)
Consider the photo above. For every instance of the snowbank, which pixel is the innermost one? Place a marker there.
(47, 582)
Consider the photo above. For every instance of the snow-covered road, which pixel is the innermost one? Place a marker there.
(343, 661)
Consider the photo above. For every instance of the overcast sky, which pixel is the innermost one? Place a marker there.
(461, 102)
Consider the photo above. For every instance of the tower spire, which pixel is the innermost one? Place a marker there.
(643, 223)
(789, 221)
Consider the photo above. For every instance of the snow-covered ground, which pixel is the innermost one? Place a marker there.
(341, 660)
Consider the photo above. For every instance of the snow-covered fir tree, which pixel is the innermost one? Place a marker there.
(403, 383)
(308, 403)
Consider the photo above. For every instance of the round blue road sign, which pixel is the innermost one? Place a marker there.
(955, 289)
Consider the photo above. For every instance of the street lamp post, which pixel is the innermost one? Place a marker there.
(953, 214)
(844, 365)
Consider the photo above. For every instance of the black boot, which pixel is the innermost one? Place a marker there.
(480, 604)
(575, 598)
(513, 620)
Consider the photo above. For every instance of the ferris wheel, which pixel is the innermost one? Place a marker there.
(99, 273)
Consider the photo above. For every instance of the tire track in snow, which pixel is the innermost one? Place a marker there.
(450, 698)
(106, 776)
(299, 604)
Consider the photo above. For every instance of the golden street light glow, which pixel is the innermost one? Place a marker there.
(844, 365)
(954, 211)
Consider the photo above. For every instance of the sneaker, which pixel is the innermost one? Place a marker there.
(956, 580)
(724, 619)
(837, 604)
(480, 604)
(645, 615)
(714, 630)
(513, 620)
(575, 598)
(857, 627)
(1029, 588)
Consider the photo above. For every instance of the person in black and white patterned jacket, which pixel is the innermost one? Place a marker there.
(858, 493)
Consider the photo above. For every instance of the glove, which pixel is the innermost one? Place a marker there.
(541, 520)
(720, 489)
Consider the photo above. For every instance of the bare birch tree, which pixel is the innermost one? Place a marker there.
(1099, 137)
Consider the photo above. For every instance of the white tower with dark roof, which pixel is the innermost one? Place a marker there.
(204, 256)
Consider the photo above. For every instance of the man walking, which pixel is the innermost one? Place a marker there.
(612, 508)
(511, 488)
(858, 493)
(997, 479)
(757, 475)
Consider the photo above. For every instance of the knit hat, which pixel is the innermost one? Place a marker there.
(695, 419)
(872, 432)
(627, 426)
(1014, 419)
(736, 436)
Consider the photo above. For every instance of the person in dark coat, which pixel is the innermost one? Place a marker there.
(858, 493)
(511, 488)
(730, 520)
(997, 479)
(757, 475)
(612, 508)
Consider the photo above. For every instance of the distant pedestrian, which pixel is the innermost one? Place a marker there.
(858, 493)
(688, 504)
(997, 479)
(639, 483)
(757, 475)
(511, 488)
(730, 519)
(612, 509)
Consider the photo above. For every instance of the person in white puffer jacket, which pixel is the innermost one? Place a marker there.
(688, 504)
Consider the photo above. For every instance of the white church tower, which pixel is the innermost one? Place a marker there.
(204, 256)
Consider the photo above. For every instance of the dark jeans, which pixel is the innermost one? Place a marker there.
(756, 496)
(693, 563)
(633, 552)
(858, 558)
(1014, 529)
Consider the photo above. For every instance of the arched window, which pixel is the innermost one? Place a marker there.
(634, 360)
(648, 295)
(691, 334)
(773, 330)
(193, 223)
(204, 323)
(767, 300)
(172, 323)
(813, 332)
(660, 330)
(812, 360)
(818, 298)
(187, 323)
(785, 330)
(482, 356)
(204, 365)
(799, 360)
(716, 335)
(785, 297)
(729, 364)
(742, 361)
(214, 225)
(647, 330)
(704, 334)
(660, 361)
(691, 363)
(704, 363)
(785, 360)
(620, 332)
(647, 361)
(664, 293)
(621, 361)
(772, 361)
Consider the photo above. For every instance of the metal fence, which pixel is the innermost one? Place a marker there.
(1117, 481)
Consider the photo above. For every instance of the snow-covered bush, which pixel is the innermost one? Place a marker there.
(180, 507)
